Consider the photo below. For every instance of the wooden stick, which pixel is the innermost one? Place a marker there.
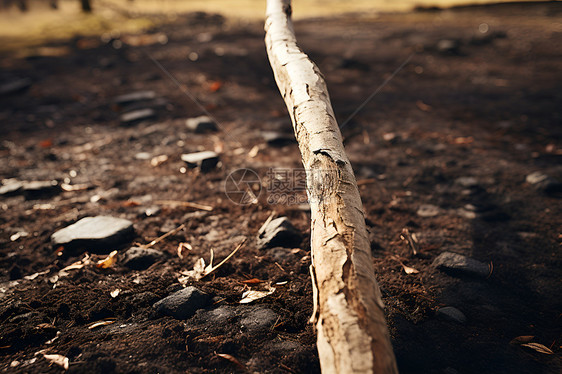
(352, 332)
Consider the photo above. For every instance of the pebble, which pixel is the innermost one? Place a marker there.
(101, 232)
(543, 182)
(278, 139)
(258, 319)
(201, 124)
(428, 210)
(280, 232)
(205, 160)
(15, 86)
(183, 304)
(134, 96)
(455, 263)
(137, 115)
(451, 314)
(139, 258)
(467, 182)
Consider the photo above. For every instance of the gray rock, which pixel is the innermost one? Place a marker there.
(258, 319)
(201, 124)
(205, 160)
(15, 86)
(137, 115)
(101, 232)
(278, 139)
(134, 96)
(139, 258)
(280, 232)
(451, 314)
(428, 210)
(183, 304)
(457, 264)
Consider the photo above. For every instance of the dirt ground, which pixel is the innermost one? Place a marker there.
(456, 132)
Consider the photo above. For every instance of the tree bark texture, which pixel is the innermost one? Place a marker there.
(349, 312)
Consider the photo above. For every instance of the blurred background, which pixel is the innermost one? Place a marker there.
(31, 22)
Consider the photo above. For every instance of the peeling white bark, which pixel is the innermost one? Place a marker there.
(349, 316)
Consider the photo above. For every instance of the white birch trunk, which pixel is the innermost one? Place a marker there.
(349, 316)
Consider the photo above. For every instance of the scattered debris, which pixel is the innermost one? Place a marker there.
(538, 348)
(107, 262)
(411, 239)
(205, 160)
(33, 276)
(137, 115)
(158, 160)
(115, 293)
(134, 96)
(451, 314)
(183, 247)
(457, 264)
(140, 258)
(522, 339)
(467, 182)
(428, 210)
(101, 323)
(17, 235)
(200, 270)
(59, 360)
(94, 233)
(185, 204)
(543, 182)
(279, 232)
(201, 124)
(409, 270)
(183, 304)
(251, 295)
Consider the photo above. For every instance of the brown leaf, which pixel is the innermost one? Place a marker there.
(252, 281)
(183, 247)
(539, 348)
(522, 339)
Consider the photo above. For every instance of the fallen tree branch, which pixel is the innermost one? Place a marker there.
(349, 316)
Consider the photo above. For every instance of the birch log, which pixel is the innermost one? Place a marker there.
(348, 313)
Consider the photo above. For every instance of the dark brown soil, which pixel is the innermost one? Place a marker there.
(480, 98)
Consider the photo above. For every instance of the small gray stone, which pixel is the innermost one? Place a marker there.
(137, 115)
(139, 258)
(451, 314)
(201, 124)
(280, 232)
(258, 319)
(278, 139)
(428, 210)
(467, 182)
(183, 304)
(15, 86)
(457, 264)
(134, 96)
(205, 160)
(101, 232)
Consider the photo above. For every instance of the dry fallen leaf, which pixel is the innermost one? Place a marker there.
(59, 360)
(182, 247)
(231, 359)
(115, 293)
(100, 323)
(252, 281)
(251, 295)
(107, 262)
(539, 348)
(77, 265)
(409, 270)
(522, 339)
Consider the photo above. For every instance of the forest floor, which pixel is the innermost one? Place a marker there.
(462, 148)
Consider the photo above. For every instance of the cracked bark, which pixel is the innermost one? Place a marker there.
(348, 309)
